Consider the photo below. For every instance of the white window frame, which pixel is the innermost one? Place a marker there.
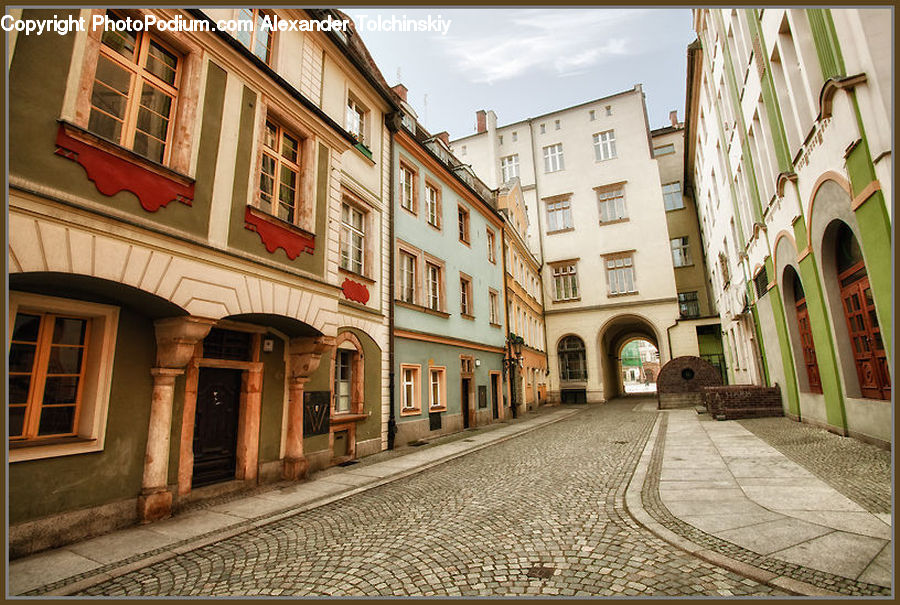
(565, 281)
(94, 404)
(672, 198)
(620, 276)
(605, 145)
(553, 158)
(494, 300)
(681, 254)
(412, 383)
(509, 167)
(357, 120)
(408, 277)
(611, 203)
(433, 279)
(348, 232)
(667, 149)
(441, 373)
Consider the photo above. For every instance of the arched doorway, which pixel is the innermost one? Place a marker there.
(795, 297)
(572, 369)
(614, 339)
(860, 317)
(638, 366)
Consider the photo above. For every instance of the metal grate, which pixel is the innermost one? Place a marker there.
(539, 571)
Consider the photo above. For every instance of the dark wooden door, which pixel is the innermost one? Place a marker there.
(464, 400)
(215, 425)
(809, 348)
(865, 336)
(495, 396)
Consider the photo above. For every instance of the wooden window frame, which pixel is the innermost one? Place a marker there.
(463, 224)
(441, 371)
(614, 257)
(491, 244)
(565, 207)
(96, 382)
(357, 374)
(416, 408)
(365, 261)
(414, 174)
(140, 77)
(416, 255)
(494, 303)
(685, 248)
(430, 184)
(255, 14)
(466, 301)
(606, 195)
(359, 109)
(441, 267)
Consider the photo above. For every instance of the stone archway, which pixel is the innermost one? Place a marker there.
(612, 338)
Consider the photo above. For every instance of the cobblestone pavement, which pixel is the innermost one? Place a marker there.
(654, 506)
(860, 471)
(541, 514)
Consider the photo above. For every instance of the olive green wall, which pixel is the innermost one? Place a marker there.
(273, 401)
(37, 83)
(38, 488)
(242, 238)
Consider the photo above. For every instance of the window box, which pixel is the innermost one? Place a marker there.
(363, 150)
(276, 233)
(114, 169)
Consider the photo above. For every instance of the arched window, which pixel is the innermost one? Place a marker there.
(806, 339)
(572, 366)
(858, 304)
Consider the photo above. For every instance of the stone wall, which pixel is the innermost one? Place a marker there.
(681, 381)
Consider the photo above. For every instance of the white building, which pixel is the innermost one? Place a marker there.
(607, 268)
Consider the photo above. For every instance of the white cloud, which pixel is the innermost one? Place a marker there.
(561, 42)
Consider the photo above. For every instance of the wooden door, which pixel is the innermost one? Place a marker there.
(808, 347)
(865, 334)
(464, 400)
(215, 426)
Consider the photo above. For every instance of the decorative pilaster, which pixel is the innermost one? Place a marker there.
(176, 338)
(304, 356)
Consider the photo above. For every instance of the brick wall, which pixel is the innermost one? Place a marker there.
(681, 381)
(742, 401)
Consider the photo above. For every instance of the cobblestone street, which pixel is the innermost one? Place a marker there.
(540, 514)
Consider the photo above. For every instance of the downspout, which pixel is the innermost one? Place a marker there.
(510, 387)
(392, 123)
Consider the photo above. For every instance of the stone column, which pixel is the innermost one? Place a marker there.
(304, 355)
(248, 423)
(176, 338)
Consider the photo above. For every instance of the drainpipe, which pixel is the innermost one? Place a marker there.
(540, 238)
(393, 122)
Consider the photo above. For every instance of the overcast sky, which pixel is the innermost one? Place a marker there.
(525, 62)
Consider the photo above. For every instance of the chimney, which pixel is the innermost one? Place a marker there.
(480, 121)
(673, 117)
(444, 136)
(401, 91)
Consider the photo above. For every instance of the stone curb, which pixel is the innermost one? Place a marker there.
(250, 524)
(635, 507)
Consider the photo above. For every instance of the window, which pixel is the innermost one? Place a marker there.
(61, 354)
(463, 150)
(572, 366)
(509, 167)
(609, 110)
(134, 92)
(463, 224)
(723, 266)
(260, 35)
(556, 124)
(409, 389)
(408, 188)
(353, 238)
(437, 380)
(612, 203)
(490, 246)
(543, 128)
(494, 299)
(559, 215)
(592, 115)
(553, 158)
(688, 304)
(605, 145)
(343, 369)
(620, 275)
(279, 170)
(432, 205)
(407, 277)
(356, 120)
(515, 136)
(433, 273)
(501, 139)
(465, 295)
(565, 281)
(663, 150)
(681, 256)
(672, 196)
(761, 281)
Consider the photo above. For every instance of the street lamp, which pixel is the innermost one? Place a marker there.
(512, 361)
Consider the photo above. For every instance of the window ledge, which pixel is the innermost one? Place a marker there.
(495, 325)
(356, 275)
(566, 230)
(410, 411)
(114, 169)
(276, 233)
(462, 241)
(435, 227)
(442, 408)
(467, 316)
(674, 209)
(35, 449)
(347, 417)
(618, 220)
(619, 294)
(684, 266)
(568, 300)
(365, 152)
(420, 308)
